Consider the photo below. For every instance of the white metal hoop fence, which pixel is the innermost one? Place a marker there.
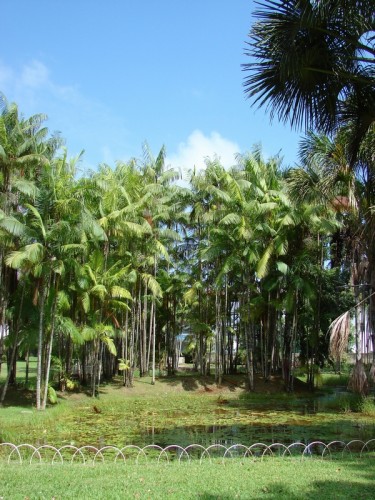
(47, 454)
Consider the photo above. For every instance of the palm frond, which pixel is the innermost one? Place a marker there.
(30, 254)
(68, 328)
(263, 264)
(12, 226)
(100, 291)
(25, 187)
(152, 285)
(37, 219)
(121, 293)
(231, 219)
(85, 300)
(339, 331)
(109, 343)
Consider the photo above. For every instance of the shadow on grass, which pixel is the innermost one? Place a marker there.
(323, 489)
(19, 397)
(362, 488)
(194, 382)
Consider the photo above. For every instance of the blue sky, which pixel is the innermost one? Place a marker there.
(113, 74)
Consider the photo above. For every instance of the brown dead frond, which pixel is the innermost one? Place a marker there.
(358, 379)
(371, 374)
(339, 331)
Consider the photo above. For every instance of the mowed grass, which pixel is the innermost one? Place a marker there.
(272, 478)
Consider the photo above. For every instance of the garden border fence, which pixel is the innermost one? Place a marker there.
(47, 454)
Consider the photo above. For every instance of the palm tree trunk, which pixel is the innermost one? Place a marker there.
(149, 350)
(100, 364)
(50, 343)
(27, 368)
(14, 350)
(153, 316)
(249, 356)
(42, 300)
(132, 352)
(287, 348)
(218, 362)
(144, 333)
(249, 342)
(125, 347)
(94, 367)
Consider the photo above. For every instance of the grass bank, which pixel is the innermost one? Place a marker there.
(273, 478)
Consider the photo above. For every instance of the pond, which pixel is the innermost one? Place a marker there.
(171, 417)
(229, 435)
(247, 421)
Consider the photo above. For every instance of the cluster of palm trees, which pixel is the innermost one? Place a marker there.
(106, 272)
(314, 67)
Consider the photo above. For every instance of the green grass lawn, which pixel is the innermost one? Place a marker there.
(21, 372)
(272, 478)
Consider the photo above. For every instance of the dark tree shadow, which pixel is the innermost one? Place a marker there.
(193, 382)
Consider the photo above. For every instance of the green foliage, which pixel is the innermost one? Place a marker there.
(236, 263)
(52, 396)
(123, 364)
(71, 385)
(367, 406)
(300, 50)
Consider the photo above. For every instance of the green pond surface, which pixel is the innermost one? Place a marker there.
(182, 419)
(226, 423)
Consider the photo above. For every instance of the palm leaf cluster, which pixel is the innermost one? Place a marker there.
(312, 64)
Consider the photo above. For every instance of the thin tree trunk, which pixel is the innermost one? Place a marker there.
(149, 349)
(249, 356)
(153, 316)
(218, 363)
(27, 360)
(43, 295)
(50, 343)
(94, 367)
(100, 363)
(249, 337)
(293, 345)
(144, 332)
(14, 350)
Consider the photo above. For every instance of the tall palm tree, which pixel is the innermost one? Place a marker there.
(38, 259)
(327, 178)
(48, 230)
(313, 64)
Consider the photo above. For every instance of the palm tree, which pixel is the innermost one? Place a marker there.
(327, 178)
(24, 151)
(48, 230)
(39, 260)
(314, 64)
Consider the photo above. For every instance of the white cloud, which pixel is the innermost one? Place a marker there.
(84, 122)
(199, 147)
(31, 86)
(35, 75)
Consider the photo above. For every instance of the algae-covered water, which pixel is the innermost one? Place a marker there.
(170, 414)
